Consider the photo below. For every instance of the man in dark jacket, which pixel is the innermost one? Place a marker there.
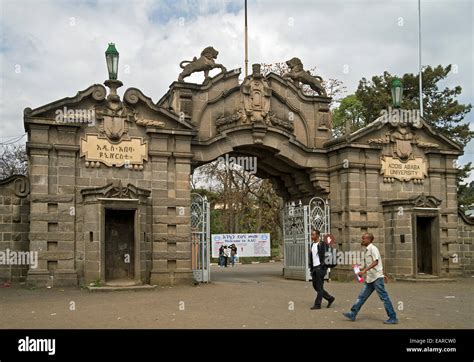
(318, 270)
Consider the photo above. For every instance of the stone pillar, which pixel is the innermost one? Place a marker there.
(183, 272)
(159, 166)
(171, 167)
(38, 151)
(63, 252)
(52, 217)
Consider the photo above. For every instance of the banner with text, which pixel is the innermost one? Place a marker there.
(247, 244)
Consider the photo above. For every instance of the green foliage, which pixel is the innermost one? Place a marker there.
(95, 283)
(441, 109)
(465, 191)
(349, 113)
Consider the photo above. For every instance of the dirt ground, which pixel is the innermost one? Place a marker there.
(246, 296)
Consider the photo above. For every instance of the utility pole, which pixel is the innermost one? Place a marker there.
(246, 44)
(419, 59)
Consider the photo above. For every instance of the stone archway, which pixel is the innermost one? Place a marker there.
(285, 129)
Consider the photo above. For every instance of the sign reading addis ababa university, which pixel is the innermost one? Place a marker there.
(405, 171)
(247, 244)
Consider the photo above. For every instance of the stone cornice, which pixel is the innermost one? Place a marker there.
(197, 87)
(304, 97)
(224, 94)
(378, 124)
(426, 201)
(96, 91)
(183, 154)
(181, 132)
(160, 153)
(134, 95)
(41, 146)
(115, 191)
(71, 148)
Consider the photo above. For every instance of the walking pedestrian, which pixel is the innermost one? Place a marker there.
(221, 256)
(318, 270)
(233, 254)
(372, 265)
(226, 255)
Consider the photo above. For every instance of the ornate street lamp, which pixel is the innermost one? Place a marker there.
(397, 92)
(112, 58)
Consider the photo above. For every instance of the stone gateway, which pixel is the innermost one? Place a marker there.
(109, 200)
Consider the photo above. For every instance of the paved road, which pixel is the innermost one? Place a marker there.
(247, 296)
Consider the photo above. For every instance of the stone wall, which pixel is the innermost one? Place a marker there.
(465, 243)
(14, 224)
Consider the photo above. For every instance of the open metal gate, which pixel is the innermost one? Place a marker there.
(200, 236)
(298, 220)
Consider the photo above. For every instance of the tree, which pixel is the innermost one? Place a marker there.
(441, 109)
(334, 87)
(465, 190)
(348, 115)
(13, 160)
(240, 201)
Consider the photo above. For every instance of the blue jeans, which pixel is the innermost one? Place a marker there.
(379, 286)
(221, 260)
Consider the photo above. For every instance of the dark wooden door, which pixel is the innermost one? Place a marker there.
(424, 241)
(119, 244)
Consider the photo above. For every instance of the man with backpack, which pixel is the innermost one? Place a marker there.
(318, 268)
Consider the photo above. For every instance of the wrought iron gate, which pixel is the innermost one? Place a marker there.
(319, 215)
(298, 220)
(200, 235)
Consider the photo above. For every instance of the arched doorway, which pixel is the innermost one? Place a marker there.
(292, 220)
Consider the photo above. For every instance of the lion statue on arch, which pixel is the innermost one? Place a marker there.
(298, 75)
(205, 63)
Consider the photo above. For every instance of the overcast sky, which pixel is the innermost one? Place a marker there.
(52, 49)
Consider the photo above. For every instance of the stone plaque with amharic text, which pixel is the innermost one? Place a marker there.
(131, 151)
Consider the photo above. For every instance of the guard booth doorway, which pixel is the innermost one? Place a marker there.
(427, 239)
(119, 245)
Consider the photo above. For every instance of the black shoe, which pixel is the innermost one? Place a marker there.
(315, 307)
(331, 301)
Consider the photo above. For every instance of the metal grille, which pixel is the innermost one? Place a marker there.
(298, 220)
(200, 235)
(319, 215)
(295, 237)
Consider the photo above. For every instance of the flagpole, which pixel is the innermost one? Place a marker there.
(419, 59)
(246, 43)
